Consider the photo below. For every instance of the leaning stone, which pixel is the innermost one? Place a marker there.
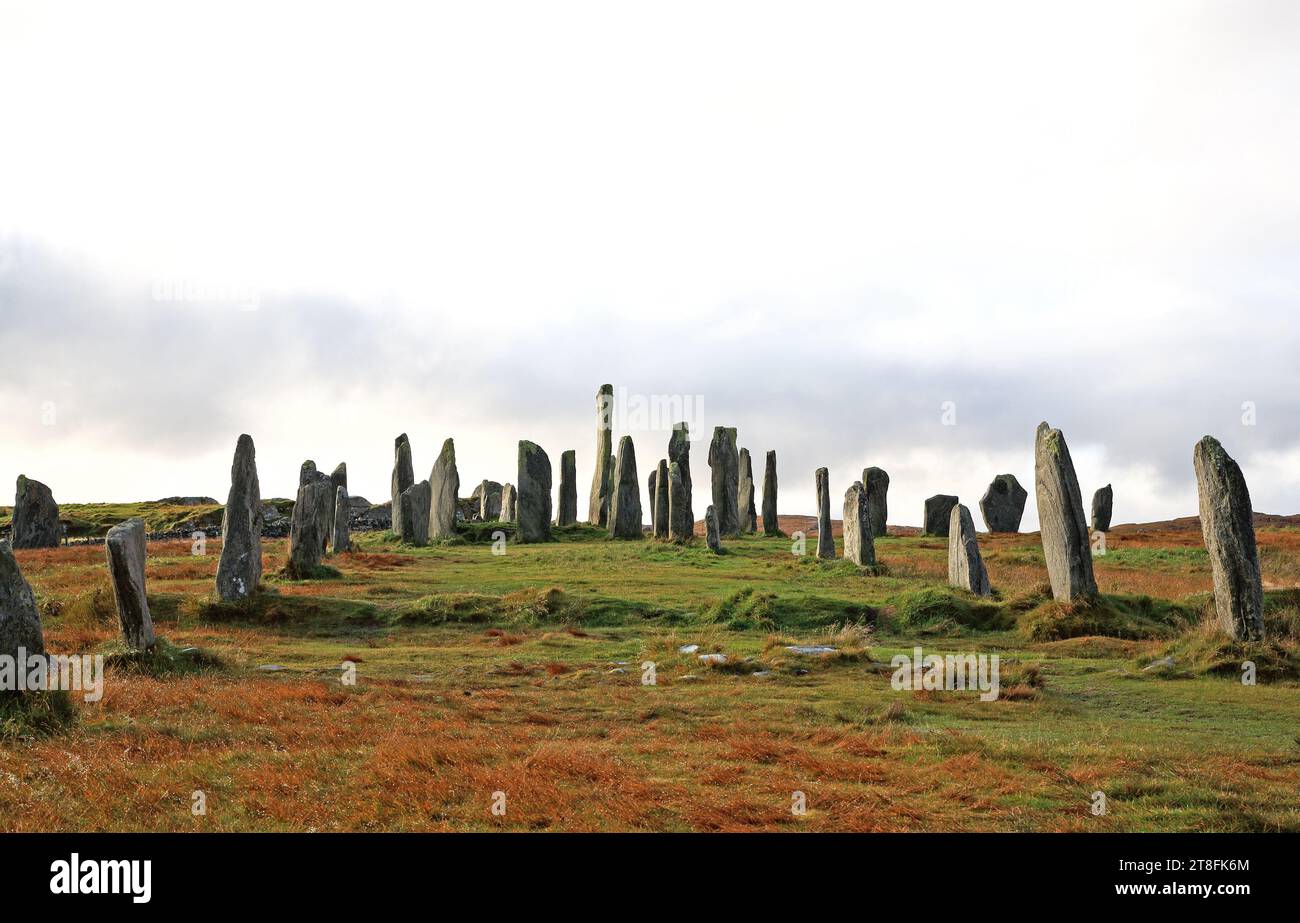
(125, 548)
(1003, 504)
(876, 481)
(724, 461)
(1228, 527)
(679, 453)
(711, 536)
(825, 538)
(20, 621)
(659, 500)
(965, 566)
(240, 569)
(625, 494)
(1060, 518)
(598, 503)
(534, 498)
(444, 483)
(745, 511)
(938, 512)
(681, 525)
(414, 527)
(859, 545)
(770, 524)
(567, 513)
(340, 538)
(403, 477)
(1102, 503)
(307, 538)
(35, 517)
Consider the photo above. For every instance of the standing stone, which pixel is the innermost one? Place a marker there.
(938, 513)
(339, 478)
(681, 524)
(745, 511)
(489, 501)
(1060, 517)
(20, 622)
(1003, 504)
(125, 547)
(1102, 503)
(307, 472)
(240, 569)
(876, 481)
(1228, 526)
(825, 537)
(660, 500)
(534, 499)
(679, 453)
(652, 484)
(324, 499)
(965, 566)
(403, 477)
(414, 526)
(567, 514)
(859, 545)
(36, 516)
(444, 483)
(598, 505)
(625, 494)
(724, 461)
(711, 536)
(341, 538)
(509, 503)
(770, 524)
(306, 541)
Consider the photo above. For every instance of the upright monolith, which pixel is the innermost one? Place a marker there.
(745, 511)
(307, 538)
(598, 504)
(125, 549)
(652, 483)
(567, 513)
(509, 503)
(724, 462)
(965, 566)
(240, 569)
(679, 453)
(825, 538)
(1102, 503)
(938, 512)
(20, 621)
(859, 544)
(414, 527)
(876, 481)
(444, 487)
(1060, 518)
(403, 477)
(489, 501)
(1003, 504)
(659, 499)
(711, 536)
(625, 494)
(681, 527)
(35, 517)
(534, 502)
(339, 478)
(770, 524)
(1228, 527)
(341, 537)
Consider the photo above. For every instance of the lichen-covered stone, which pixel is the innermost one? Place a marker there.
(965, 566)
(534, 493)
(414, 525)
(625, 494)
(239, 571)
(711, 536)
(35, 517)
(341, 537)
(681, 527)
(679, 453)
(1228, 527)
(745, 510)
(125, 547)
(403, 477)
(20, 621)
(876, 481)
(598, 504)
(444, 487)
(724, 462)
(509, 503)
(825, 538)
(1060, 517)
(307, 538)
(859, 544)
(659, 500)
(1003, 504)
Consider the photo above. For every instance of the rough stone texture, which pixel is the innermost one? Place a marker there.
(403, 477)
(679, 453)
(444, 484)
(659, 500)
(770, 524)
(20, 621)
(509, 503)
(324, 499)
(651, 484)
(711, 536)
(414, 524)
(859, 545)
(534, 497)
(625, 494)
(745, 511)
(339, 478)
(307, 472)
(1228, 527)
(567, 514)
(36, 516)
(489, 501)
(681, 522)
(876, 481)
(1003, 504)
(125, 549)
(240, 569)
(1102, 503)
(306, 538)
(598, 504)
(724, 460)
(938, 513)
(341, 538)
(825, 538)
(1060, 517)
(965, 566)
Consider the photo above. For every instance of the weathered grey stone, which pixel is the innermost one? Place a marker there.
(1003, 504)
(307, 538)
(341, 538)
(509, 503)
(651, 484)
(488, 495)
(1102, 503)
(711, 536)
(859, 545)
(938, 512)
(307, 472)
(681, 524)
(659, 500)
(534, 511)
(825, 538)
(724, 460)
(598, 505)
(770, 524)
(125, 549)
(36, 516)
(1060, 517)
(20, 621)
(403, 477)
(876, 481)
(625, 494)
(567, 514)
(1228, 527)
(679, 453)
(339, 478)
(745, 512)
(414, 525)
(240, 569)
(444, 484)
(965, 566)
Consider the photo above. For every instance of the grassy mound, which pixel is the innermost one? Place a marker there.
(34, 714)
(748, 608)
(1205, 649)
(945, 610)
(1125, 617)
(165, 659)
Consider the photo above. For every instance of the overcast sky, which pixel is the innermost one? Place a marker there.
(326, 224)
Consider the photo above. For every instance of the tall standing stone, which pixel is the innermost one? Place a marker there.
(652, 484)
(509, 503)
(679, 453)
(403, 477)
(965, 566)
(660, 499)
(681, 525)
(567, 514)
(339, 478)
(534, 501)
(711, 536)
(125, 549)
(1060, 517)
(444, 484)
(306, 541)
(307, 472)
(20, 621)
(1102, 503)
(1228, 527)
(240, 569)
(745, 511)
(1003, 504)
(724, 460)
(36, 516)
(414, 527)
(324, 498)
(825, 537)
(938, 513)
(489, 501)
(876, 481)
(341, 537)
(859, 545)
(598, 505)
(625, 494)
(770, 524)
